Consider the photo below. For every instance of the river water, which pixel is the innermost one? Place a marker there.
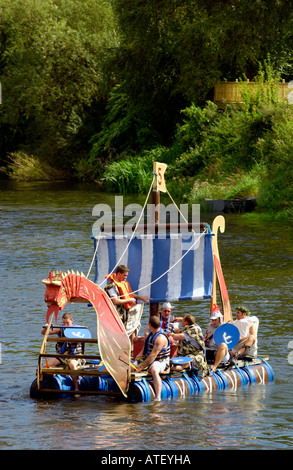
(46, 226)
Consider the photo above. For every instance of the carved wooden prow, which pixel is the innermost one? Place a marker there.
(114, 344)
(218, 278)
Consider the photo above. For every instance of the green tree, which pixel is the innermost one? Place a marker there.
(51, 59)
(172, 52)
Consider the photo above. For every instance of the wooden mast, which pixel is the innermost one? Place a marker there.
(158, 185)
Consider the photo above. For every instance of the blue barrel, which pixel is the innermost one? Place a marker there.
(90, 383)
(269, 369)
(245, 375)
(57, 382)
(166, 390)
(63, 382)
(189, 382)
(223, 379)
(249, 371)
(218, 381)
(197, 381)
(147, 391)
(137, 392)
(172, 385)
(242, 375)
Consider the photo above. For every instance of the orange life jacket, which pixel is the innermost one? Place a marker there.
(124, 290)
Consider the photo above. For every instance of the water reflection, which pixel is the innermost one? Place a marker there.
(217, 420)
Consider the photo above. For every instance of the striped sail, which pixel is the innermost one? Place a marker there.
(180, 264)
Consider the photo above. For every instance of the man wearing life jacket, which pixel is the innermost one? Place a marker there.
(191, 344)
(66, 348)
(119, 290)
(157, 354)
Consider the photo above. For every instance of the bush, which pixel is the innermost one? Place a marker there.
(132, 174)
(276, 189)
(220, 142)
(126, 128)
(23, 167)
(237, 185)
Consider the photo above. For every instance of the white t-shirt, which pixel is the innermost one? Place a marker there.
(243, 326)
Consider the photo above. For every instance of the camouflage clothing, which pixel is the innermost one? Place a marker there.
(193, 346)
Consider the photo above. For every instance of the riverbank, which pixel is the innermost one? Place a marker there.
(238, 193)
(215, 154)
(221, 154)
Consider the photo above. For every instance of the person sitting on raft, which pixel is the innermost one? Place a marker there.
(247, 345)
(216, 319)
(168, 322)
(156, 351)
(66, 348)
(191, 344)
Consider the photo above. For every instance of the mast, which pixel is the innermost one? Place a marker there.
(158, 185)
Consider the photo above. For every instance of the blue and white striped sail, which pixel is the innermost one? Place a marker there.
(180, 264)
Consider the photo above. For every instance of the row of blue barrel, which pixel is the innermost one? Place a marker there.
(194, 384)
(141, 391)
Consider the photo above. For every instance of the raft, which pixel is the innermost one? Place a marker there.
(174, 385)
(169, 267)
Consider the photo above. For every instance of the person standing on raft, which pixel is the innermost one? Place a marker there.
(125, 301)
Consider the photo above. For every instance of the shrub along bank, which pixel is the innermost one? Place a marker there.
(215, 154)
(221, 155)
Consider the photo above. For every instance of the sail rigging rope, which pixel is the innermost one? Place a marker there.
(173, 266)
(130, 240)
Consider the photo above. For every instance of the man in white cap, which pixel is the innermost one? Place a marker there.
(247, 344)
(168, 322)
(215, 353)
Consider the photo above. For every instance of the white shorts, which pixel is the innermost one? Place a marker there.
(160, 365)
(226, 358)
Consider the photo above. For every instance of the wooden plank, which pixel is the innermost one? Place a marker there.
(75, 356)
(151, 228)
(42, 350)
(81, 372)
(82, 392)
(71, 340)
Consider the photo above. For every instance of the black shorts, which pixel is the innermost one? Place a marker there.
(210, 355)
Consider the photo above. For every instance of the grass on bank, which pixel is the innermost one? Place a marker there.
(23, 167)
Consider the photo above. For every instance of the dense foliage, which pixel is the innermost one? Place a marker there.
(100, 88)
(53, 85)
